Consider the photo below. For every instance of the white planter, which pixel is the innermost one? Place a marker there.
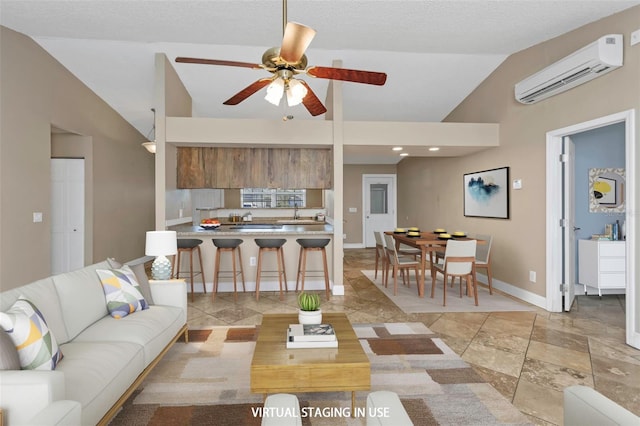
(310, 317)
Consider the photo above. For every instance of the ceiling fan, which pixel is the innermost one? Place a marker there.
(286, 62)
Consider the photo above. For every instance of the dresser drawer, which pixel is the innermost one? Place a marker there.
(613, 280)
(612, 248)
(612, 264)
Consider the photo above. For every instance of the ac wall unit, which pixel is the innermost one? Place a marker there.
(596, 59)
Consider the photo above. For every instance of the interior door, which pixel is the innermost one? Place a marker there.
(379, 205)
(569, 230)
(67, 214)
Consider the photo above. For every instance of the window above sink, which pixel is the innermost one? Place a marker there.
(272, 198)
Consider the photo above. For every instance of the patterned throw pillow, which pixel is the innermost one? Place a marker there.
(122, 291)
(36, 345)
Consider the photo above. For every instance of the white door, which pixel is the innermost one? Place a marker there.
(569, 230)
(379, 193)
(67, 214)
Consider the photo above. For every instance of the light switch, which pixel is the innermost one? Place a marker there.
(37, 217)
(353, 210)
(517, 184)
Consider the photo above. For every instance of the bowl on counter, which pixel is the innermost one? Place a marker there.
(414, 229)
(444, 236)
(413, 234)
(459, 234)
(399, 231)
(440, 231)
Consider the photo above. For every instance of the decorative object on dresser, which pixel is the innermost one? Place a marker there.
(161, 244)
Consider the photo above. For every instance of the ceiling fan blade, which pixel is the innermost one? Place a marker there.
(356, 76)
(217, 62)
(311, 101)
(297, 38)
(247, 91)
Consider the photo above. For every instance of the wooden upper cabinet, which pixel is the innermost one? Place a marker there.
(289, 168)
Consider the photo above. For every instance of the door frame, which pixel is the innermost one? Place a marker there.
(554, 215)
(394, 205)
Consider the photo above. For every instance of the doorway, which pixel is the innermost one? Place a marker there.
(379, 205)
(558, 225)
(67, 214)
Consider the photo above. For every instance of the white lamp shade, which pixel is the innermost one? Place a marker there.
(296, 92)
(275, 91)
(161, 243)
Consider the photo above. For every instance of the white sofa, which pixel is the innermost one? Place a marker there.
(104, 359)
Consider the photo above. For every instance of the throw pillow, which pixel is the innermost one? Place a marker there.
(122, 291)
(9, 359)
(143, 280)
(36, 345)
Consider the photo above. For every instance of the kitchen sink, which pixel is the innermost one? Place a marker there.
(257, 226)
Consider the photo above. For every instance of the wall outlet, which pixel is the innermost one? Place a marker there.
(532, 276)
(353, 210)
(37, 217)
(635, 38)
(252, 261)
(344, 236)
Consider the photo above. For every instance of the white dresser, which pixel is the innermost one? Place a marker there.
(602, 264)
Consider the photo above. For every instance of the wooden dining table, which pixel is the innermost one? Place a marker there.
(428, 243)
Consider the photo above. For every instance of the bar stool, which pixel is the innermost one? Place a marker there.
(275, 245)
(312, 244)
(227, 245)
(189, 245)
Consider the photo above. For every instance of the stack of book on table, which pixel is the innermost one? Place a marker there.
(311, 336)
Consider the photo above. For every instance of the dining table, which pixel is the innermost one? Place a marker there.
(428, 243)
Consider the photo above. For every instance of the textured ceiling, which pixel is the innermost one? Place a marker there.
(434, 52)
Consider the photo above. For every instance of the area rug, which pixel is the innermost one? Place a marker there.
(407, 298)
(206, 382)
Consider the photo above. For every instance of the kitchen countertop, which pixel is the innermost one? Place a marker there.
(254, 228)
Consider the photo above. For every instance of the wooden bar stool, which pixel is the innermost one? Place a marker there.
(227, 245)
(189, 245)
(312, 244)
(275, 245)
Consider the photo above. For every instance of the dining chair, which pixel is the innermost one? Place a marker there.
(483, 257)
(399, 264)
(381, 255)
(459, 261)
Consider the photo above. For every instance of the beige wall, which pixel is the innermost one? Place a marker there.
(38, 92)
(353, 197)
(434, 187)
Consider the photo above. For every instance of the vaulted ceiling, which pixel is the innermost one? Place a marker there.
(434, 52)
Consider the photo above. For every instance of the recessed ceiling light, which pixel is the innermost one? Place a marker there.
(434, 148)
(404, 154)
(397, 148)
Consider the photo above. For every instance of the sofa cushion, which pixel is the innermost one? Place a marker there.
(8, 353)
(151, 328)
(44, 295)
(137, 266)
(81, 298)
(36, 345)
(97, 374)
(121, 291)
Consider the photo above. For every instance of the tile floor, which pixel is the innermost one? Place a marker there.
(528, 356)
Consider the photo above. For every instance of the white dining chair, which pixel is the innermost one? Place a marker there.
(399, 263)
(459, 261)
(483, 257)
(381, 255)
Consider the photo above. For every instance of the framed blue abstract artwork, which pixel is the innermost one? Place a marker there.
(486, 193)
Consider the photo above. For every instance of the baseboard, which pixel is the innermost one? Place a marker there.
(353, 245)
(517, 292)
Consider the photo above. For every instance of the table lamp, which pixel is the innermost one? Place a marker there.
(161, 244)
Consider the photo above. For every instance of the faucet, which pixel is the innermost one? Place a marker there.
(295, 211)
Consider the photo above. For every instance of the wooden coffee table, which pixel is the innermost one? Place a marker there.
(276, 369)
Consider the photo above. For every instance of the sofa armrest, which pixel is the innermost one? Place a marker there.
(25, 392)
(169, 292)
(585, 406)
(58, 413)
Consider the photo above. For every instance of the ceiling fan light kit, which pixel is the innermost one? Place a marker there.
(284, 63)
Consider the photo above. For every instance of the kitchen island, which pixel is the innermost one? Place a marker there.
(290, 230)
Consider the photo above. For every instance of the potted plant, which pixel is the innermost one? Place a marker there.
(310, 312)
